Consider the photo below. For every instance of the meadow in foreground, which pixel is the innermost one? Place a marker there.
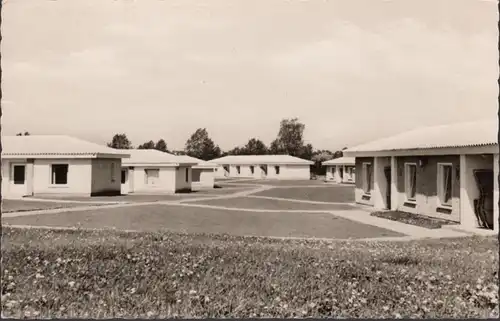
(113, 274)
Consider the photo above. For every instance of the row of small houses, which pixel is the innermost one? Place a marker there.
(448, 172)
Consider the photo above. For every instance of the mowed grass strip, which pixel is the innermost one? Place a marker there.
(60, 274)
(341, 193)
(270, 204)
(132, 198)
(205, 220)
(9, 206)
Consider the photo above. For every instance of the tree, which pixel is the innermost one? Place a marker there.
(290, 138)
(200, 145)
(120, 141)
(255, 147)
(161, 145)
(306, 152)
(23, 134)
(147, 145)
(236, 151)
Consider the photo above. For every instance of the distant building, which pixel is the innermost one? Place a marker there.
(58, 165)
(263, 167)
(203, 173)
(152, 171)
(448, 172)
(341, 170)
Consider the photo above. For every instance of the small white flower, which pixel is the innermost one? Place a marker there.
(71, 283)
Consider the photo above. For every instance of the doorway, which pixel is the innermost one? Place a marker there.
(483, 205)
(124, 181)
(18, 185)
(387, 172)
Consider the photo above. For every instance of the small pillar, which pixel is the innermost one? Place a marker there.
(394, 183)
(496, 197)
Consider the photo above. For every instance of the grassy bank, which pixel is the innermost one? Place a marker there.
(111, 274)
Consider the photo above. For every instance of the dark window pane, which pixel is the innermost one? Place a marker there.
(19, 174)
(123, 177)
(59, 174)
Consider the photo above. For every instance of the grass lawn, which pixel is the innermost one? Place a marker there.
(269, 204)
(202, 220)
(413, 219)
(276, 182)
(130, 198)
(225, 190)
(9, 206)
(321, 194)
(60, 274)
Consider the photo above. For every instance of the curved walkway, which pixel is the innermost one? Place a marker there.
(357, 214)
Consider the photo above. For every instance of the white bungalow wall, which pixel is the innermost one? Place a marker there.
(165, 184)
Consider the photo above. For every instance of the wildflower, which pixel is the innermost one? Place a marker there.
(39, 276)
(71, 283)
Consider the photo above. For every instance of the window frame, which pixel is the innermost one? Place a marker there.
(367, 179)
(123, 176)
(146, 176)
(441, 189)
(13, 166)
(407, 167)
(52, 176)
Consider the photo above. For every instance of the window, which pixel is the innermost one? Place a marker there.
(277, 169)
(112, 169)
(238, 169)
(59, 174)
(187, 175)
(19, 174)
(124, 176)
(151, 176)
(367, 181)
(445, 184)
(410, 181)
(252, 169)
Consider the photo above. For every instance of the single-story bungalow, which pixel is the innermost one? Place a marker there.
(153, 171)
(203, 173)
(60, 165)
(263, 167)
(449, 172)
(341, 170)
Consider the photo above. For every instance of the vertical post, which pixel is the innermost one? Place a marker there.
(344, 174)
(379, 183)
(131, 176)
(394, 183)
(496, 197)
(29, 177)
(467, 216)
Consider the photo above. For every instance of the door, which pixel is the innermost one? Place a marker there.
(124, 181)
(387, 172)
(263, 171)
(341, 174)
(18, 186)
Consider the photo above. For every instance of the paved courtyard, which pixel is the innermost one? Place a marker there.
(299, 211)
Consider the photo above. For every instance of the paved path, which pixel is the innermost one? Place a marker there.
(300, 201)
(357, 214)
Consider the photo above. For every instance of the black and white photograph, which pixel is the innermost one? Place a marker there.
(210, 159)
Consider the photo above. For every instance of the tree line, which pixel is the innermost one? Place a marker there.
(289, 141)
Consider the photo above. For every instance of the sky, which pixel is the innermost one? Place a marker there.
(351, 70)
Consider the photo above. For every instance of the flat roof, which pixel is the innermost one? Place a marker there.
(261, 159)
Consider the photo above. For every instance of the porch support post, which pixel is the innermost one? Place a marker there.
(468, 218)
(496, 197)
(379, 183)
(344, 174)
(394, 183)
(30, 171)
(131, 176)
